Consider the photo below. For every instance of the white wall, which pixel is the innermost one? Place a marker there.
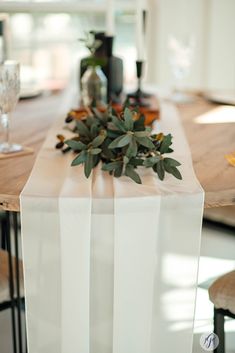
(212, 23)
(221, 45)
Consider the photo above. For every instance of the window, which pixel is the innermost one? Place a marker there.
(44, 36)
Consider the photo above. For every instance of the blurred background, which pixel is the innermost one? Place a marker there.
(44, 38)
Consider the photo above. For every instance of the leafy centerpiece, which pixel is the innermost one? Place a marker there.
(121, 142)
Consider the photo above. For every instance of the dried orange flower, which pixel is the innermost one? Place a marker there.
(231, 158)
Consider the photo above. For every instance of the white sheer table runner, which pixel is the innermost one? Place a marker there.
(110, 266)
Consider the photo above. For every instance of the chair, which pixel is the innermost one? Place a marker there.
(11, 277)
(7, 297)
(222, 295)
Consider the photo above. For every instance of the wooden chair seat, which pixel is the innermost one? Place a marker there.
(4, 277)
(222, 292)
(222, 295)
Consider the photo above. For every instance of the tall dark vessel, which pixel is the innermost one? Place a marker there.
(3, 37)
(112, 68)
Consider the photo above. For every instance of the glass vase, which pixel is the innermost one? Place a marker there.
(94, 87)
(9, 95)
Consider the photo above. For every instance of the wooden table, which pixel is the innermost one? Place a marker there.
(208, 142)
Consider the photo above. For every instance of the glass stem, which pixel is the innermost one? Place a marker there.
(6, 131)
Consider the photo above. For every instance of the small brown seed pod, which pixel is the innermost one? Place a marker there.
(59, 145)
(68, 119)
(60, 137)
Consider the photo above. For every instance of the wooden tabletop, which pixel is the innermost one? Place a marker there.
(208, 142)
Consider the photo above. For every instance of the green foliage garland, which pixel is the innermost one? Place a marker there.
(121, 142)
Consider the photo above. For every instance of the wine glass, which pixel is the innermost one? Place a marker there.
(9, 95)
(180, 59)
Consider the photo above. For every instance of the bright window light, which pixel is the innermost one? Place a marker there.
(220, 115)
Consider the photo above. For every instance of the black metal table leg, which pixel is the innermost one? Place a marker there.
(3, 230)
(18, 298)
(219, 330)
(11, 279)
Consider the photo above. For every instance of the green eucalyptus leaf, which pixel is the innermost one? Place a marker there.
(112, 165)
(97, 113)
(167, 141)
(109, 154)
(170, 150)
(88, 165)
(96, 151)
(170, 162)
(98, 140)
(114, 133)
(159, 169)
(136, 162)
(121, 141)
(149, 162)
(79, 159)
(90, 120)
(128, 118)
(119, 124)
(96, 160)
(94, 130)
(141, 133)
(82, 128)
(132, 149)
(118, 171)
(131, 173)
(75, 145)
(175, 172)
(145, 141)
(139, 125)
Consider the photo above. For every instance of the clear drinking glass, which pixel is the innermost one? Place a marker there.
(180, 59)
(9, 96)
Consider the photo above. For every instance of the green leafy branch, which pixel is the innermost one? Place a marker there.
(92, 44)
(122, 143)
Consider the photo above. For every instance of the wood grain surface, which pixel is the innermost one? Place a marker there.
(208, 142)
(30, 123)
